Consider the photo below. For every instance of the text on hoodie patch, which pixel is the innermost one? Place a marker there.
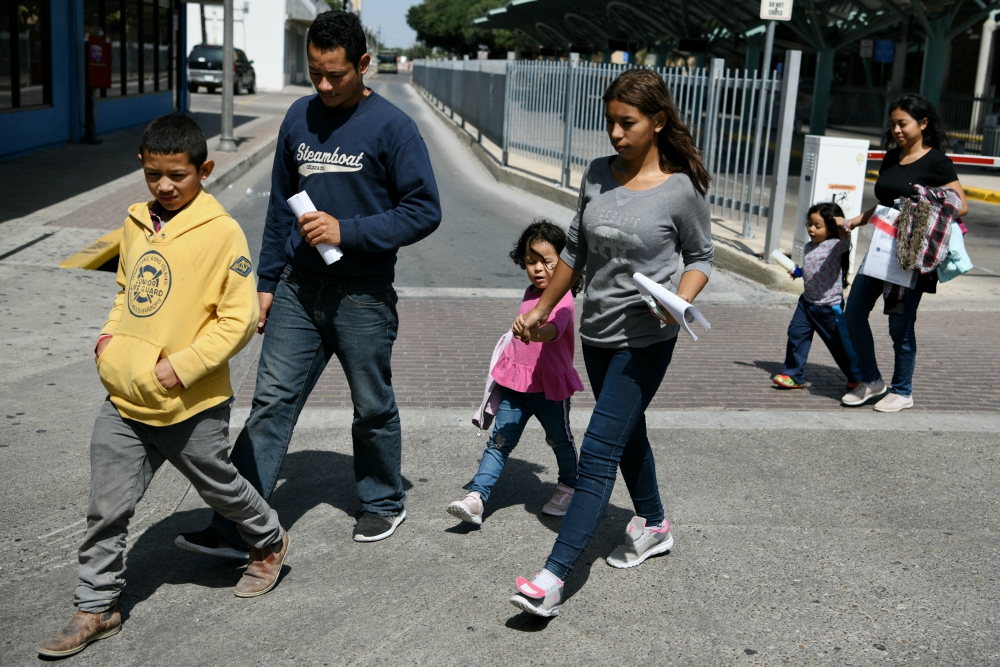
(148, 285)
(242, 266)
(320, 162)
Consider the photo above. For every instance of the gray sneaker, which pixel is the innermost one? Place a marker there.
(641, 543)
(864, 391)
(894, 403)
(536, 600)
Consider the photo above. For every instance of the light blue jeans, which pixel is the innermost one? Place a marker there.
(313, 318)
(516, 408)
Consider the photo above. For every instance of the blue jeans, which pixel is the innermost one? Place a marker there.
(624, 382)
(314, 317)
(516, 408)
(864, 294)
(829, 323)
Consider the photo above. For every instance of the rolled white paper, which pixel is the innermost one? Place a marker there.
(302, 204)
(782, 260)
(682, 311)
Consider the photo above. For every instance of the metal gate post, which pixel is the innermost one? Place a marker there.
(758, 141)
(568, 110)
(714, 74)
(783, 151)
(507, 91)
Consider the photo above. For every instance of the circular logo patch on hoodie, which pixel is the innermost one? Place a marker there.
(149, 285)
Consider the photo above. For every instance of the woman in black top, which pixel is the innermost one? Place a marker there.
(917, 159)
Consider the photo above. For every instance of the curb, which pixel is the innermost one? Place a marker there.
(726, 258)
(754, 268)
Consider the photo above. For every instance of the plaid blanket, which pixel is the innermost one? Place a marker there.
(923, 230)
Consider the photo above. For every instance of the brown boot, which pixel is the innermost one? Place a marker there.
(262, 572)
(82, 629)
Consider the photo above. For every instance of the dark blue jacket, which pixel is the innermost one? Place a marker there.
(368, 167)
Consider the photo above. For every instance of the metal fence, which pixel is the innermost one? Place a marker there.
(553, 114)
(864, 113)
(474, 89)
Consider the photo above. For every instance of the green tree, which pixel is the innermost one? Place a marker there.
(447, 25)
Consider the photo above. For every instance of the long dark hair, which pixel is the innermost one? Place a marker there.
(542, 229)
(830, 211)
(646, 91)
(920, 109)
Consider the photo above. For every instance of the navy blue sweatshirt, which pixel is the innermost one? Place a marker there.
(368, 167)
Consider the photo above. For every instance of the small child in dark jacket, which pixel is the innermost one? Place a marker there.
(821, 306)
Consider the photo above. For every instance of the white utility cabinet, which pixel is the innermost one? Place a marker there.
(833, 169)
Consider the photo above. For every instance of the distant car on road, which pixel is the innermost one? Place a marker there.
(205, 69)
(387, 62)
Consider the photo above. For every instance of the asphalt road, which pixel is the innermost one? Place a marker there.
(840, 545)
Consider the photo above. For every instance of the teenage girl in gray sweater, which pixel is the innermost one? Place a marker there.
(642, 210)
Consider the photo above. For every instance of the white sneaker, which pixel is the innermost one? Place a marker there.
(641, 543)
(864, 391)
(469, 509)
(894, 403)
(536, 600)
(560, 501)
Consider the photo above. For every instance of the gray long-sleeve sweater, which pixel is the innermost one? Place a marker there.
(617, 232)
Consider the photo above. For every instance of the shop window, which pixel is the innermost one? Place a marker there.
(25, 54)
(143, 42)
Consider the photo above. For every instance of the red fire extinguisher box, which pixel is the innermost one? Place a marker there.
(98, 61)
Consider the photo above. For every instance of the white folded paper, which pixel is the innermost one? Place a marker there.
(782, 260)
(302, 204)
(679, 309)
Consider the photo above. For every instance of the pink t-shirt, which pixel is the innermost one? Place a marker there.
(542, 367)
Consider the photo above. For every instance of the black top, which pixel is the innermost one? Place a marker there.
(896, 180)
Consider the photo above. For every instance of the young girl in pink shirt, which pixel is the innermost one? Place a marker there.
(535, 378)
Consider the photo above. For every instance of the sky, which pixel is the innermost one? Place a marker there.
(391, 15)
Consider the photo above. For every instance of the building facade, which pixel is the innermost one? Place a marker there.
(271, 32)
(43, 68)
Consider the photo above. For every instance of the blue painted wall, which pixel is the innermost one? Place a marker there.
(35, 129)
(23, 131)
(117, 113)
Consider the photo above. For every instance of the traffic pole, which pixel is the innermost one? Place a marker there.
(227, 142)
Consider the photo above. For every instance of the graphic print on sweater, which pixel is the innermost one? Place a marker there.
(321, 162)
(149, 284)
(609, 241)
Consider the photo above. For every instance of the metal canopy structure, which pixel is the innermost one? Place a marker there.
(733, 28)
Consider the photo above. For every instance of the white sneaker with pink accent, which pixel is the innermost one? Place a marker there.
(468, 509)
(641, 543)
(560, 501)
(536, 600)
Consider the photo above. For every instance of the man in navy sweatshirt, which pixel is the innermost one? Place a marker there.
(366, 169)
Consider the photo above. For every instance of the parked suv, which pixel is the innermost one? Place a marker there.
(205, 69)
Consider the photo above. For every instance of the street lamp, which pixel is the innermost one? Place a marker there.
(226, 142)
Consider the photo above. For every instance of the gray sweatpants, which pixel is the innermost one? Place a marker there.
(124, 456)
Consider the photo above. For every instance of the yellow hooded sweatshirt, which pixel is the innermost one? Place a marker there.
(188, 294)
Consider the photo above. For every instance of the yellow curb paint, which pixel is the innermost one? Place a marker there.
(96, 254)
(978, 194)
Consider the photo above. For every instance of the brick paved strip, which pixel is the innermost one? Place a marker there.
(729, 368)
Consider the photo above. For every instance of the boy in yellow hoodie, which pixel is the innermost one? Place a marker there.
(187, 304)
